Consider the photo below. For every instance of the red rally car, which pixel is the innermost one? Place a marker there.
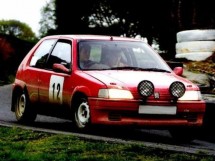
(106, 80)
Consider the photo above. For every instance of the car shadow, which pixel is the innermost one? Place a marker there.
(161, 136)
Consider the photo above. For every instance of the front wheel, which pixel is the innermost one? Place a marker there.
(81, 114)
(24, 113)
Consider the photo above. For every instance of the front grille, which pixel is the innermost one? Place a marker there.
(118, 116)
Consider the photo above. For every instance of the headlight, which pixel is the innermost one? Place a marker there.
(115, 94)
(145, 88)
(191, 96)
(177, 89)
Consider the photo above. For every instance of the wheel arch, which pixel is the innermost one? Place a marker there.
(76, 97)
(79, 92)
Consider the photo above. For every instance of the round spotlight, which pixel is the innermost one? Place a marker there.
(145, 88)
(177, 89)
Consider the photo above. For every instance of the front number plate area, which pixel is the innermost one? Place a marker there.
(161, 110)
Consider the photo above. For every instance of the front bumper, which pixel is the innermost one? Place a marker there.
(125, 112)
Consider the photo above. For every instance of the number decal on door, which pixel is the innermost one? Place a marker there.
(56, 89)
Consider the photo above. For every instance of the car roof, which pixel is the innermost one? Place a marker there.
(94, 37)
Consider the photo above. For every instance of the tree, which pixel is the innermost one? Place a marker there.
(17, 29)
(156, 20)
(47, 22)
(73, 18)
(106, 17)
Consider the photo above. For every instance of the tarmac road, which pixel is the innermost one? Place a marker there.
(149, 137)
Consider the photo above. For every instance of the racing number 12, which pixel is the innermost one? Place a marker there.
(56, 89)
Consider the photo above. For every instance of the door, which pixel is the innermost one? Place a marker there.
(36, 66)
(52, 83)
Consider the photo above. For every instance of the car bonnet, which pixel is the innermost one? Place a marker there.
(133, 78)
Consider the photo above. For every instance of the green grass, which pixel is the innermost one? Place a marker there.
(25, 145)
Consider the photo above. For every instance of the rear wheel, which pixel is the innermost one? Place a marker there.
(24, 113)
(81, 114)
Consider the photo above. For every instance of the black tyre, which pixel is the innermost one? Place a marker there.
(81, 114)
(23, 111)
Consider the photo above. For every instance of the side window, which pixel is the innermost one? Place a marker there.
(61, 54)
(42, 52)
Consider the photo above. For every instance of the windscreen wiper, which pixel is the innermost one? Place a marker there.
(128, 68)
(156, 70)
(141, 69)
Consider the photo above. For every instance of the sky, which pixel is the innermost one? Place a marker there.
(27, 11)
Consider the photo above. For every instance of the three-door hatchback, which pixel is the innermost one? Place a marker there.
(105, 80)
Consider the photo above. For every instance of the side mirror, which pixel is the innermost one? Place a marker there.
(178, 71)
(61, 68)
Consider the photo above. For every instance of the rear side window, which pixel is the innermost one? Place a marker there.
(40, 56)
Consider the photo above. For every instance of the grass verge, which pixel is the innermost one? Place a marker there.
(26, 145)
